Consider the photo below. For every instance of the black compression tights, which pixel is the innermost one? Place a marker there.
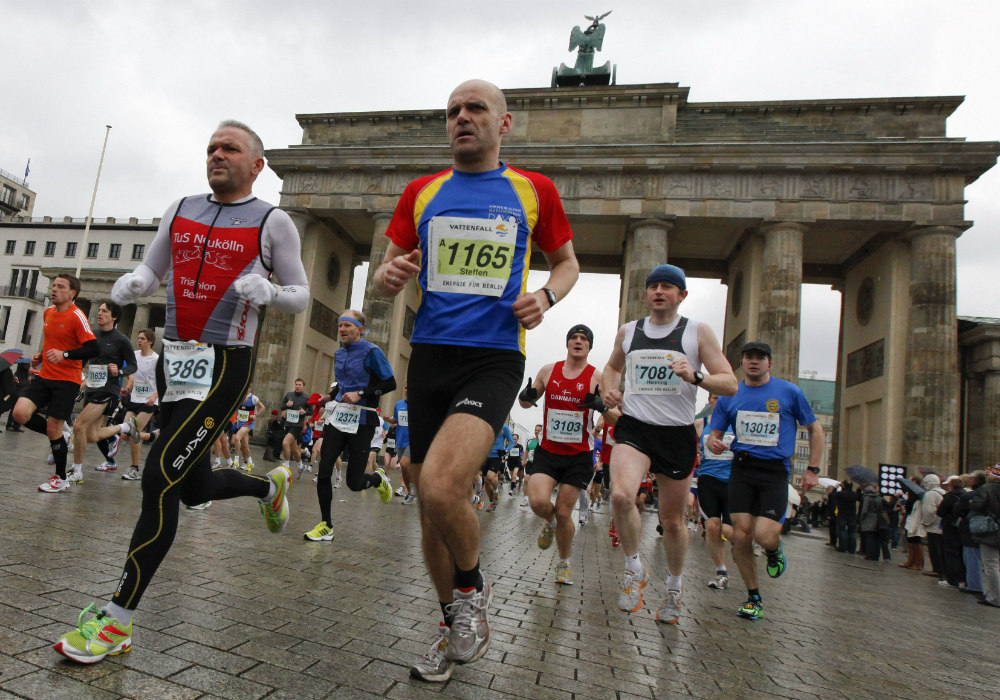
(178, 468)
(333, 444)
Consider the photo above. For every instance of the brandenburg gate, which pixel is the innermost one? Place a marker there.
(865, 195)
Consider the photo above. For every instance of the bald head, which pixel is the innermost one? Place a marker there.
(487, 89)
(477, 119)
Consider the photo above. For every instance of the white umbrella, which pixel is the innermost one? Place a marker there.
(827, 482)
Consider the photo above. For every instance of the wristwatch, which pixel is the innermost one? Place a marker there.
(698, 378)
(65, 354)
(550, 295)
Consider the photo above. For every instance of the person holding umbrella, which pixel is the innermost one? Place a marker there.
(762, 414)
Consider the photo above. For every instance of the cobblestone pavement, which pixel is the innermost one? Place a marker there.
(236, 612)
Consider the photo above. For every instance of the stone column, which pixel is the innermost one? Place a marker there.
(141, 319)
(378, 310)
(781, 296)
(930, 422)
(989, 447)
(646, 248)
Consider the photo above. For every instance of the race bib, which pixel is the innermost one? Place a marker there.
(757, 428)
(564, 426)
(649, 372)
(188, 368)
(292, 416)
(143, 389)
(726, 456)
(346, 418)
(390, 443)
(404, 419)
(470, 256)
(97, 376)
(328, 410)
(515, 452)
(243, 415)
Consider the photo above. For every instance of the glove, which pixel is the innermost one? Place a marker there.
(529, 394)
(255, 289)
(132, 286)
(594, 401)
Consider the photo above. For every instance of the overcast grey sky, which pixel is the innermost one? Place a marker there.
(163, 74)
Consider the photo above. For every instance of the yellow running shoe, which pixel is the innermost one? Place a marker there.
(100, 636)
(385, 488)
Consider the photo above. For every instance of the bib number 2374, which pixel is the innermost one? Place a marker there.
(188, 368)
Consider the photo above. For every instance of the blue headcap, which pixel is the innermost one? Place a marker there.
(667, 273)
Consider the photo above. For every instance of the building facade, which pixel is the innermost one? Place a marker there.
(17, 199)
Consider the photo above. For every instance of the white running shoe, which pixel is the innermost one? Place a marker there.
(54, 485)
(75, 476)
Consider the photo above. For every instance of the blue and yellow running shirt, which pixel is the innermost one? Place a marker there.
(474, 231)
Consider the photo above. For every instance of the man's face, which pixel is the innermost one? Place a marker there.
(299, 387)
(538, 431)
(475, 123)
(517, 438)
(712, 399)
(62, 293)
(348, 332)
(578, 346)
(232, 168)
(104, 319)
(663, 295)
(755, 364)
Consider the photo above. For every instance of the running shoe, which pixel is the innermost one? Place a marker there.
(132, 474)
(113, 443)
(597, 505)
(492, 507)
(408, 499)
(470, 628)
(400, 491)
(336, 482)
(670, 609)
(615, 542)
(659, 529)
(385, 488)
(248, 466)
(751, 610)
(612, 532)
(275, 510)
(630, 599)
(757, 549)
(100, 636)
(133, 426)
(478, 500)
(720, 582)
(75, 476)
(54, 485)
(564, 574)
(546, 535)
(200, 506)
(776, 562)
(320, 533)
(107, 465)
(583, 519)
(302, 468)
(434, 666)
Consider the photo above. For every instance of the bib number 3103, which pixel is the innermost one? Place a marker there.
(188, 368)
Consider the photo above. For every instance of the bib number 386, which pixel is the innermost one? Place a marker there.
(188, 368)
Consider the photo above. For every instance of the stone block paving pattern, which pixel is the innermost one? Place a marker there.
(238, 613)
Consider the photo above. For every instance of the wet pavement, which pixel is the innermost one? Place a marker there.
(236, 612)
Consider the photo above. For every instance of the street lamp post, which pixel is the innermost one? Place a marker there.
(90, 214)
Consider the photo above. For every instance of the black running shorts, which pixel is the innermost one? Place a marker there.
(54, 395)
(492, 464)
(573, 470)
(447, 379)
(760, 489)
(713, 498)
(671, 448)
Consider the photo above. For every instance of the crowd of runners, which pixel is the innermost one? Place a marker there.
(621, 434)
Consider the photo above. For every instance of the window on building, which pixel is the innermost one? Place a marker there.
(138, 250)
(8, 195)
(70, 249)
(25, 201)
(50, 248)
(29, 247)
(115, 251)
(29, 316)
(4, 320)
(92, 249)
(9, 248)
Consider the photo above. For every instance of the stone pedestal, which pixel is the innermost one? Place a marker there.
(378, 310)
(930, 423)
(781, 296)
(645, 248)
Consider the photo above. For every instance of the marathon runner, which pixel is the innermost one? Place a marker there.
(713, 495)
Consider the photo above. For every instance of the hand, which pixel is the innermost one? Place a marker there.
(530, 308)
(400, 270)
(132, 285)
(612, 399)
(351, 397)
(53, 356)
(593, 401)
(682, 368)
(529, 394)
(113, 370)
(36, 359)
(255, 289)
(716, 445)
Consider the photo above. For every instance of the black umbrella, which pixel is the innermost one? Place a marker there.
(862, 475)
(911, 487)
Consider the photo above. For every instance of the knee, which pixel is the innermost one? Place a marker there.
(713, 527)
(672, 526)
(357, 482)
(564, 511)
(621, 501)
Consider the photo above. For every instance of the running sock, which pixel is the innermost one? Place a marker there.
(771, 554)
(118, 612)
(36, 423)
(467, 580)
(632, 564)
(59, 456)
(565, 560)
(272, 490)
(721, 572)
(103, 445)
(674, 583)
(754, 593)
(448, 618)
(125, 428)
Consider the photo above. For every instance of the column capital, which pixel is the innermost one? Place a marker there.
(664, 223)
(950, 230)
(380, 215)
(768, 226)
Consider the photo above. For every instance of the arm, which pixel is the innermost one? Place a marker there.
(530, 307)
(720, 379)
(538, 385)
(281, 245)
(715, 443)
(142, 282)
(84, 352)
(398, 267)
(612, 372)
(816, 443)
